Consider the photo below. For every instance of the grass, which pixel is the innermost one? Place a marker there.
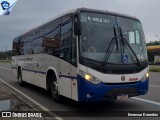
(5, 61)
(154, 68)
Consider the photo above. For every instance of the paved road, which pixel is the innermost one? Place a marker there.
(149, 102)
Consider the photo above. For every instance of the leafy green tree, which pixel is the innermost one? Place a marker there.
(151, 43)
(5, 55)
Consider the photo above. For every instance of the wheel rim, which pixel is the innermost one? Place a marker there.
(54, 87)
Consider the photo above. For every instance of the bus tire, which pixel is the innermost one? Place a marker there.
(20, 81)
(52, 85)
(54, 91)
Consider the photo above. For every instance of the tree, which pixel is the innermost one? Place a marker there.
(151, 43)
(5, 55)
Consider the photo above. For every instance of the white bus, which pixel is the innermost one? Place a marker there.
(85, 55)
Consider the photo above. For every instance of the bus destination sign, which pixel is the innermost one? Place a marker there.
(99, 20)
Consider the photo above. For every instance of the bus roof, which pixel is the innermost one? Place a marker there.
(105, 12)
(81, 10)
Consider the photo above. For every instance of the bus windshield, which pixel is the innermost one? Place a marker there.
(98, 32)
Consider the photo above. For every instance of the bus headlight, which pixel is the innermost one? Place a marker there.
(90, 78)
(146, 76)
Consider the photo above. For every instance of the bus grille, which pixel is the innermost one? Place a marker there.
(119, 91)
(126, 83)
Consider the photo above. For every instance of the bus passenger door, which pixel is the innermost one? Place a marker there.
(64, 81)
(73, 62)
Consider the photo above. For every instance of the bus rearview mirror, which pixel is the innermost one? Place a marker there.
(77, 28)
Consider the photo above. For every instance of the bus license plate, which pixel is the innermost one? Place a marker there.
(122, 97)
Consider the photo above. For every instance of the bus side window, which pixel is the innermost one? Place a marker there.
(65, 50)
(19, 47)
(14, 47)
(51, 40)
(28, 43)
(74, 52)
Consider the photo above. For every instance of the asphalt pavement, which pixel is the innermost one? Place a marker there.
(73, 110)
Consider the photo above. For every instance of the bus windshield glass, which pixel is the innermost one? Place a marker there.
(100, 30)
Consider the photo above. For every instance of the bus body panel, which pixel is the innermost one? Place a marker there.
(111, 85)
(88, 92)
(67, 80)
(34, 67)
(114, 78)
(34, 70)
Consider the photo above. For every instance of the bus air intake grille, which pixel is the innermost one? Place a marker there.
(121, 83)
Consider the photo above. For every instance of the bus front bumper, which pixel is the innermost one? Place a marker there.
(89, 92)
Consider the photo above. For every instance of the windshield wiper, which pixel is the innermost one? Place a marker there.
(125, 43)
(110, 47)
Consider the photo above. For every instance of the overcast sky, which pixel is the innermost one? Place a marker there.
(30, 13)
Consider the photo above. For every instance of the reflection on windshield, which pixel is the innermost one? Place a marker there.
(97, 35)
(133, 34)
(95, 40)
(126, 45)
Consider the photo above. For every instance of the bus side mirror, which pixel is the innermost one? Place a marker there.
(77, 28)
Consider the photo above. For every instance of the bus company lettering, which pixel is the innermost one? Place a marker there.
(32, 64)
(133, 79)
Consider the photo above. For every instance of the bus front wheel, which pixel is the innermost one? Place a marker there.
(54, 92)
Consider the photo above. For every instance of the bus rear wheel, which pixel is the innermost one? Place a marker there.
(54, 91)
(20, 81)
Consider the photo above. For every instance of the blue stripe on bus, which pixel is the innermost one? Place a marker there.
(30, 70)
(34, 71)
(66, 76)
